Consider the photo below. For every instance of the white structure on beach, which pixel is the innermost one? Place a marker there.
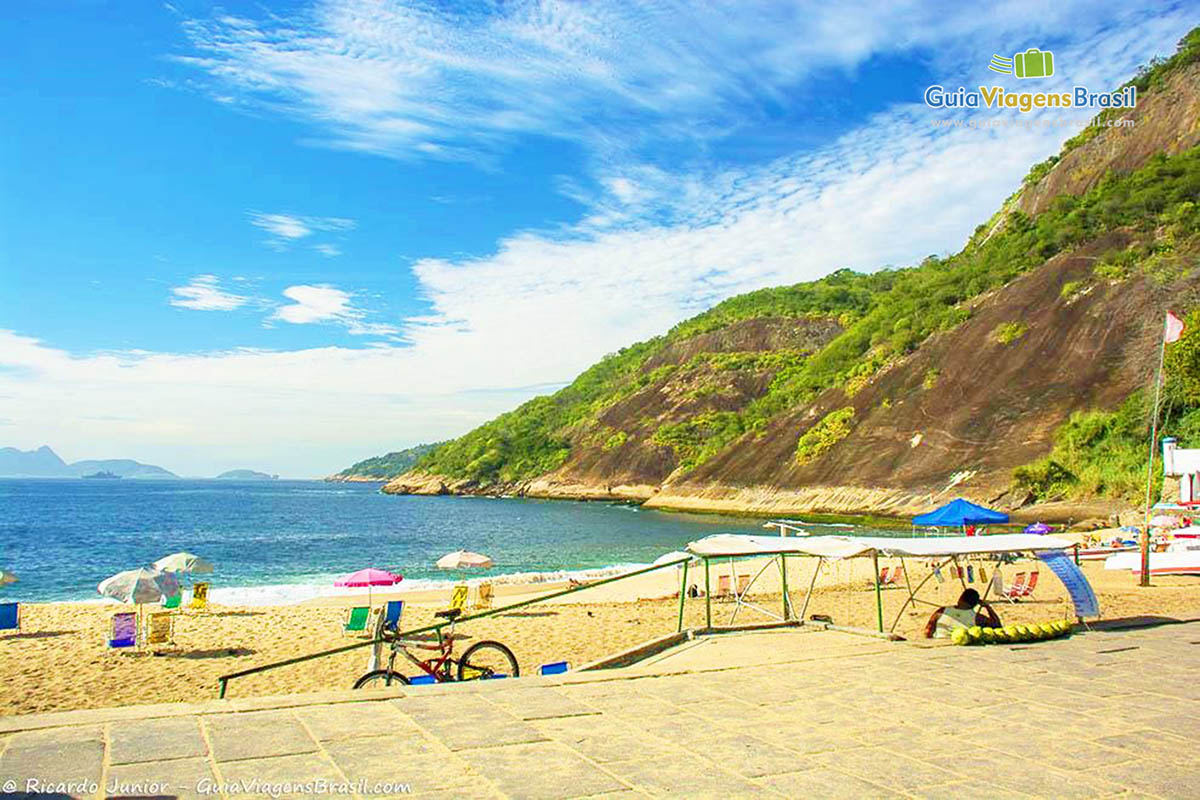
(1185, 465)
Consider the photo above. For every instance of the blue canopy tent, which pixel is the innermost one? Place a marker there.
(958, 513)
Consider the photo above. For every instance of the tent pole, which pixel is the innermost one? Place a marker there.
(811, 584)
(912, 593)
(682, 595)
(783, 571)
(707, 596)
(878, 592)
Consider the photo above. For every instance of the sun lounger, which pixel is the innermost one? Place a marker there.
(1017, 589)
(160, 628)
(199, 597)
(458, 600)
(556, 668)
(484, 593)
(356, 619)
(122, 630)
(10, 616)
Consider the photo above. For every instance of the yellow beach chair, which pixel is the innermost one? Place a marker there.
(484, 593)
(199, 597)
(159, 628)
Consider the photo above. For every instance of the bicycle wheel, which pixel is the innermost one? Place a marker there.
(487, 660)
(380, 678)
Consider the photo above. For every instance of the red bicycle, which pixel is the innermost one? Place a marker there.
(481, 660)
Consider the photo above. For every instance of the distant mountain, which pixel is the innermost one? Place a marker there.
(40, 463)
(246, 475)
(385, 467)
(45, 463)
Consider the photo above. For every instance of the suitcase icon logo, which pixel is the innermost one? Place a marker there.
(1033, 63)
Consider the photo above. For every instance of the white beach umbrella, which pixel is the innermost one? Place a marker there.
(464, 559)
(140, 585)
(183, 562)
(1164, 521)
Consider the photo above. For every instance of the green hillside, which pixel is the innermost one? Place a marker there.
(385, 467)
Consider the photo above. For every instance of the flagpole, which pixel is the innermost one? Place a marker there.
(1145, 537)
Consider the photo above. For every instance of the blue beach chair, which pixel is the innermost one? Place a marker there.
(10, 616)
(391, 615)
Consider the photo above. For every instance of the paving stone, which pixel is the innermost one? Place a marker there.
(257, 734)
(182, 778)
(825, 783)
(596, 738)
(1181, 780)
(539, 703)
(303, 775)
(675, 776)
(413, 759)
(155, 740)
(745, 755)
(887, 767)
(39, 761)
(350, 720)
(560, 771)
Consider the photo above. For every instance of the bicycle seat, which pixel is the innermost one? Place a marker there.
(449, 613)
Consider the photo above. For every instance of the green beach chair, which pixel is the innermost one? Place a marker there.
(356, 620)
(172, 602)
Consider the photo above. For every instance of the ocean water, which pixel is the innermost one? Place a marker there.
(285, 541)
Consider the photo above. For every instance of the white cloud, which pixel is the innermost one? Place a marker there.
(205, 294)
(328, 250)
(287, 228)
(313, 304)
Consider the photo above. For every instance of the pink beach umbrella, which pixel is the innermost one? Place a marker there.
(369, 577)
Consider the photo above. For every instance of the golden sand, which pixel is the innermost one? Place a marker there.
(59, 660)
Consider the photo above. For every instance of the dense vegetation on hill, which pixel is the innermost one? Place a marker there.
(875, 322)
(386, 466)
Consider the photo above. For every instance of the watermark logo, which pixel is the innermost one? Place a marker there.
(1033, 63)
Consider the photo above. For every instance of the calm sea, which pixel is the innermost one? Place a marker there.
(283, 541)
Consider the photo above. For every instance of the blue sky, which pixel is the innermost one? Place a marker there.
(288, 236)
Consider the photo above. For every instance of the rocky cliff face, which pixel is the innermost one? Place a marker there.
(955, 415)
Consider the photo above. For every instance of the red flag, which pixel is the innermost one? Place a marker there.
(1174, 328)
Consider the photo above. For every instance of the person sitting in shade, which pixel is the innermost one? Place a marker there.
(968, 611)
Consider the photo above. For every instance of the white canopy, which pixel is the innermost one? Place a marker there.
(732, 544)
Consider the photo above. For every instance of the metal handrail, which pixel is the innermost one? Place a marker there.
(438, 626)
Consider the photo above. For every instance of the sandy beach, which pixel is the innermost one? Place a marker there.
(59, 660)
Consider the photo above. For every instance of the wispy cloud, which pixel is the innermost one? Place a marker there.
(328, 304)
(204, 293)
(287, 228)
(328, 250)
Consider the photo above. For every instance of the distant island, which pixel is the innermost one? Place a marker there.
(246, 475)
(385, 467)
(45, 463)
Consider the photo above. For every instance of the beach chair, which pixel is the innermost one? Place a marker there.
(484, 594)
(743, 584)
(723, 592)
(897, 576)
(199, 597)
(159, 628)
(883, 576)
(1025, 589)
(173, 602)
(10, 616)
(1017, 589)
(123, 630)
(556, 668)
(458, 600)
(356, 619)
(390, 621)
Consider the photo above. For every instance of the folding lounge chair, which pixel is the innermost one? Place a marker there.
(356, 619)
(897, 576)
(160, 628)
(483, 596)
(458, 600)
(1017, 589)
(199, 597)
(123, 629)
(1016, 592)
(10, 616)
(556, 668)
(391, 615)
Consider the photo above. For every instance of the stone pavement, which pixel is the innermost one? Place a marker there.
(791, 713)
